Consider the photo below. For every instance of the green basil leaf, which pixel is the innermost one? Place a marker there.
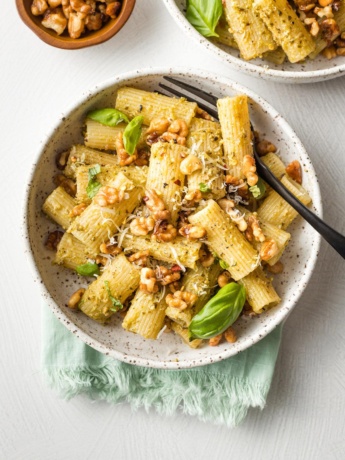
(219, 313)
(223, 264)
(117, 305)
(258, 190)
(132, 133)
(204, 188)
(93, 185)
(204, 15)
(88, 269)
(108, 117)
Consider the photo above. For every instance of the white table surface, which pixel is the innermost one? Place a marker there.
(305, 413)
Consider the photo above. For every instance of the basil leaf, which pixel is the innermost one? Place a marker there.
(204, 188)
(219, 313)
(93, 185)
(204, 15)
(132, 133)
(223, 264)
(108, 117)
(88, 269)
(258, 190)
(117, 305)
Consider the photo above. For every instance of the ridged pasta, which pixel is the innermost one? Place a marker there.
(58, 206)
(184, 334)
(71, 252)
(81, 155)
(260, 293)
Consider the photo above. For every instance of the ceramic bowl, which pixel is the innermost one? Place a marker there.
(59, 283)
(319, 69)
(66, 42)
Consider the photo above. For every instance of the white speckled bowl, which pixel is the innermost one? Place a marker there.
(319, 69)
(58, 283)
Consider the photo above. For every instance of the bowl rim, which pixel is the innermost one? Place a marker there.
(247, 67)
(94, 343)
(78, 43)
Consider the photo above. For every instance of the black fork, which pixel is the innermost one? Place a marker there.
(208, 102)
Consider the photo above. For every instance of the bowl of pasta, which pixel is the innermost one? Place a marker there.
(153, 238)
(288, 41)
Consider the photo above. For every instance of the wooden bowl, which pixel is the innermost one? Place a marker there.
(65, 42)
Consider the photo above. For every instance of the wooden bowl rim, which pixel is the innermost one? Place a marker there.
(96, 38)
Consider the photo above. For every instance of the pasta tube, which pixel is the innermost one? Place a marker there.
(81, 155)
(71, 252)
(184, 334)
(119, 280)
(58, 206)
(261, 295)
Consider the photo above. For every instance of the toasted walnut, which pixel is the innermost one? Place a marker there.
(61, 159)
(53, 240)
(340, 42)
(230, 335)
(340, 51)
(307, 7)
(192, 196)
(108, 195)
(156, 205)
(76, 24)
(158, 126)
(175, 286)
(108, 248)
(326, 12)
(140, 258)
(100, 260)
(112, 9)
(226, 205)
(190, 164)
(181, 299)
(81, 7)
(167, 276)
(172, 137)
(93, 21)
(148, 280)
(200, 113)
(55, 19)
(294, 170)
(269, 249)
(179, 127)
(254, 231)
(164, 232)
(264, 147)
(192, 232)
(77, 210)
(278, 267)
(329, 29)
(224, 279)
(54, 3)
(75, 299)
(237, 185)
(124, 158)
(143, 158)
(39, 7)
(69, 186)
(215, 341)
(141, 226)
(206, 257)
(324, 3)
(238, 218)
(249, 170)
(330, 52)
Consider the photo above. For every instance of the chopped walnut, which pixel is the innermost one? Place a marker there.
(330, 52)
(181, 299)
(340, 51)
(215, 341)
(63, 181)
(325, 12)
(108, 195)
(269, 249)
(81, 7)
(172, 137)
(294, 170)
(192, 232)
(156, 205)
(141, 226)
(148, 280)
(226, 205)
(93, 21)
(167, 276)
(76, 298)
(39, 7)
(230, 335)
(143, 158)
(278, 267)
(78, 209)
(264, 147)
(175, 286)
(200, 113)
(206, 257)
(314, 26)
(239, 185)
(140, 258)
(176, 132)
(53, 240)
(164, 232)
(192, 197)
(76, 24)
(179, 127)
(61, 159)
(158, 126)
(329, 29)
(223, 279)
(124, 158)
(108, 248)
(254, 231)
(55, 19)
(238, 218)
(190, 164)
(249, 170)
(101, 260)
(112, 9)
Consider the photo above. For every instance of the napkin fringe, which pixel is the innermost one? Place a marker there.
(214, 397)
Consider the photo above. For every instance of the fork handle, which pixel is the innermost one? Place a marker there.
(334, 238)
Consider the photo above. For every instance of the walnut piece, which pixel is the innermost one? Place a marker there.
(148, 281)
(108, 195)
(141, 226)
(294, 170)
(192, 232)
(181, 299)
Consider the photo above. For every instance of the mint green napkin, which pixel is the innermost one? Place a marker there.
(220, 393)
